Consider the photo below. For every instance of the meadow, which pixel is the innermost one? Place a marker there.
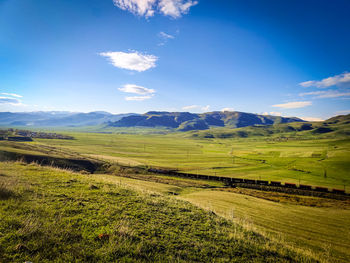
(318, 228)
(50, 215)
(320, 162)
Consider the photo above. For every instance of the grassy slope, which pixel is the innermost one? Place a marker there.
(50, 215)
(319, 224)
(303, 161)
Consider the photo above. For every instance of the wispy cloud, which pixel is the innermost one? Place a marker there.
(326, 94)
(147, 8)
(132, 88)
(10, 101)
(132, 61)
(164, 37)
(342, 80)
(12, 95)
(135, 89)
(196, 107)
(293, 105)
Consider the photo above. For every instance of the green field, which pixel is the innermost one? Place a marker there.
(323, 162)
(316, 227)
(49, 215)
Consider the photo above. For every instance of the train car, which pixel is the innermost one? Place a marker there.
(261, 182)
(274, 183)
(321, 189)
(290, 185)
(249, 181)
(305, 187)
(338, 191)
(237, 180)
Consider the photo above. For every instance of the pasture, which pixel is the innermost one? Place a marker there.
(50, 215)
(320, 162)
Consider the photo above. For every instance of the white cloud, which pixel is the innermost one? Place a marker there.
(132, 88)
(138, 98)
(175, 8)
(342, 80)
(228, 109)
(197, 107)
(137, 7)
(147, 8)
(131, 61)
(293, 105)
(10, 101)
(312, 119)
(135, 89)
(326, 94)
(12, 95)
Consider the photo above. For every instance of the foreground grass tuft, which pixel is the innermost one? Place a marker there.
(59, 216)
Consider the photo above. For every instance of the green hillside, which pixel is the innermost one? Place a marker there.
(332, 128)
(50, 215)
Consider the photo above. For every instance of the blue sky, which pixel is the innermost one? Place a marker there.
(265, 56)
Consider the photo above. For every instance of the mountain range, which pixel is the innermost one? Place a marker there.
(185, 121)
(181, 121)
(58, 118)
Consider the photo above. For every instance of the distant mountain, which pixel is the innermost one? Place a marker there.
(185, 121)
(58, 118)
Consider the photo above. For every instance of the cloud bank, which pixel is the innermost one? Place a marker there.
(293, 105)
(131, 61)
(147, 8)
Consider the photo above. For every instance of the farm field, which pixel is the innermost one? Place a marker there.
(316, 227)
(320, 162)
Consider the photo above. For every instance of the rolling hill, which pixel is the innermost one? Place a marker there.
(338, 126)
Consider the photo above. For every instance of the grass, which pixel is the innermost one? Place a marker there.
(320, 225)
(60, 216)
(323, 162)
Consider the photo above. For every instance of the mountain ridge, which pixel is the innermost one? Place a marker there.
(180, 121)
(186, 121)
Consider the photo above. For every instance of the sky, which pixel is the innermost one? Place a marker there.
(288, 58)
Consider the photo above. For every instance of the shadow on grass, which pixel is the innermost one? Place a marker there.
(6, 193)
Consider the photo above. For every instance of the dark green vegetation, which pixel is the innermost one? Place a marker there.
(185, 121)
(49, 215)
(336, 127)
